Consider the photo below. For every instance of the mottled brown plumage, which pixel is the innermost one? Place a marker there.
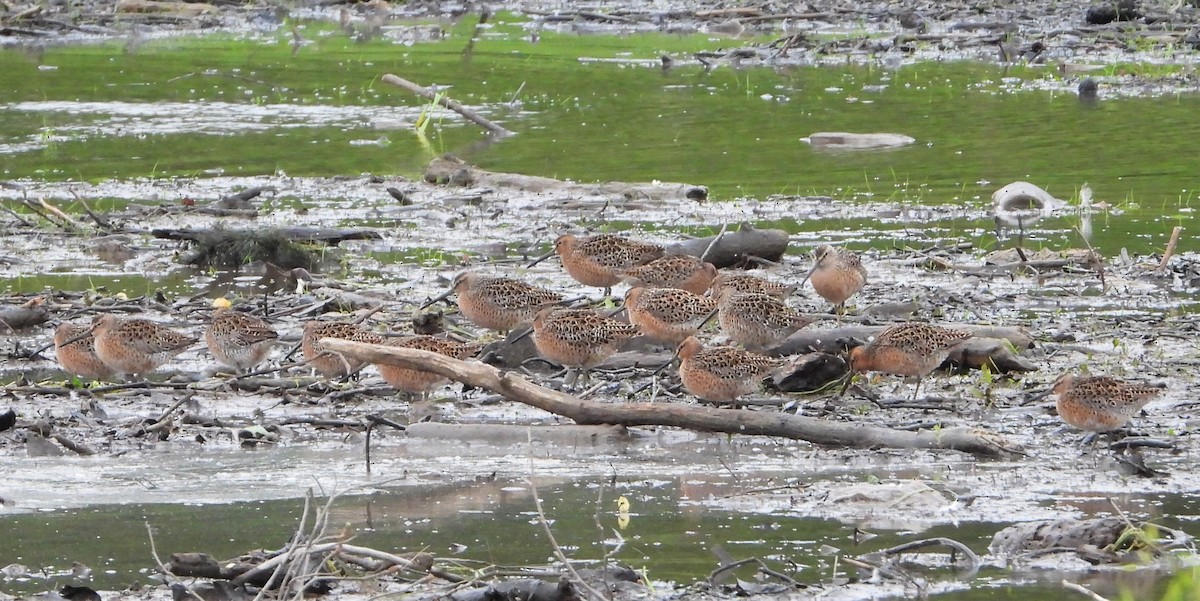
(907, 349)
(667, 315)
(136, 346)
(836, 274)
(597, 260)
(578, 338)
(329, 363)
(1099, 403)
(73, 345)
(419, 382)
(756, 321)
(676, 271)
(747, 283)
(724, 373)
(497, 303)
(238, 339)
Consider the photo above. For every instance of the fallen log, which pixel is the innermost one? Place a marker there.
(29, 314)
(449, 169)
(839, 339)
(323, 235)
(734, 249)
(733, 421)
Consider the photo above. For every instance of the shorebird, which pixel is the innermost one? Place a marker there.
(578, 339)
(73, 345)
(497, 303)
(329, 363)
(724, 373)
(748, 283)
(756, 321)
(136, 346)
(1099, 403)
(667, 315)
(836, 274)
(419, 382)
(676, 271)
(597, 260)
(238, 339)
(907, 349)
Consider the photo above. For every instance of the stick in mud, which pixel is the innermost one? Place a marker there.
(1170, 251)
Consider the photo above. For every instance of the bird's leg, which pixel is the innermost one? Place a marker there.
(569, 380)
(916, 389)
(1021, 239)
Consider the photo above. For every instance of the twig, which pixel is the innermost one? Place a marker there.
(972, 558)
(16, 216)
(100, 221)
(449, 103)
(78, 448)
(1071, 586)
(715, 240)
(1099, 260)
(558, 552)
(1170, 252)
(61, 215)
(154, 549)
(183, 399)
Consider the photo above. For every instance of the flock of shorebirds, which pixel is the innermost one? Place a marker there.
(670, 299)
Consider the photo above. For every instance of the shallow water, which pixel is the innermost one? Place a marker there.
(671, 534)
(239, 107)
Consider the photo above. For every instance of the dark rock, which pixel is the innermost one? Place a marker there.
(1089, 91)
(79, 593)
(1123, 10)
(811, 372)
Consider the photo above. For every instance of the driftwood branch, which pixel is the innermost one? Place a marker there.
(449, 169)
(707, 419)
(32, 313)
(453, 105)
(730, 248)
(994, 346)
(323, 235)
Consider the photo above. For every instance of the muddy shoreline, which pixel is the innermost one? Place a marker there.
(1135, 324)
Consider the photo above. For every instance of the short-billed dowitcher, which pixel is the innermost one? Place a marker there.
(329, 363)
(578, 339)
(907, 349)
(748, 283)
(497, 303)
(597, 260)
(1099, 403)
(836, 274)
(238, 339)
(136, 346)
(667, 315)
(419, 382)
(676, 271)
(73, 345)
(724, 373)
(756, 321)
